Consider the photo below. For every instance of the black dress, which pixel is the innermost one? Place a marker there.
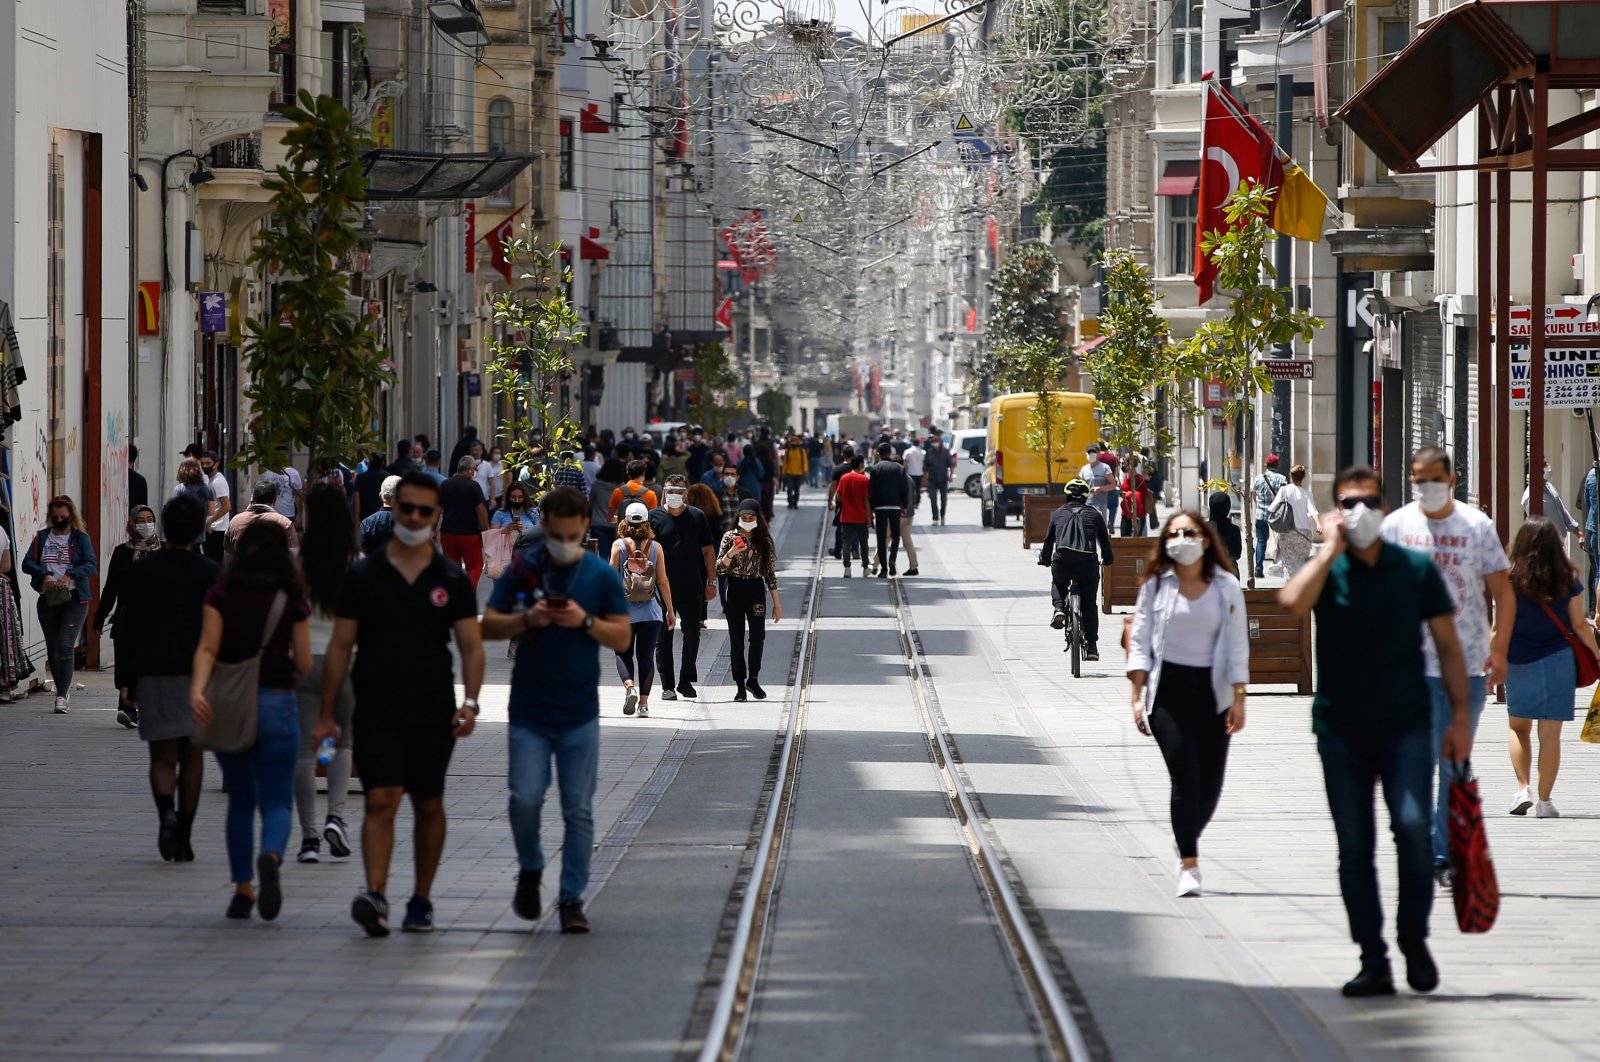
(123, 558)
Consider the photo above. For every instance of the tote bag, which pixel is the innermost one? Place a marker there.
(497, 548)
(1475, 888)
(235, 693)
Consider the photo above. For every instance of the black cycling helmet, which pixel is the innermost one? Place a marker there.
(1077, 490)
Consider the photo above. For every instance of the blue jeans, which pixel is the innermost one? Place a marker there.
(1262, 527)
(262, 776)
(577, 759)
(1592, 548)
(1403, 763)
(1477, 692)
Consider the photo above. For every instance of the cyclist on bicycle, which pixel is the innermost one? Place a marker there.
(1076, 530)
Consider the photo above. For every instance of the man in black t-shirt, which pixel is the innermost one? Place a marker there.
(689, 543)
(465, 518)
(399, 608)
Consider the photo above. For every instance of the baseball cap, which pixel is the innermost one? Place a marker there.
(636, 513)
(194, 449)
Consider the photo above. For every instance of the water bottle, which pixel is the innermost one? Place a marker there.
(325, 752)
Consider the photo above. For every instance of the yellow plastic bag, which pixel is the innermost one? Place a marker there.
(1591, 721)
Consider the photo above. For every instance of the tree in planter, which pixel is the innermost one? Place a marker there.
(1133, 360)
(536, 331)
(1022, 308)
(711, 403)
(774, 407)
(1039, 366)
(314, 365)
(1259, 318)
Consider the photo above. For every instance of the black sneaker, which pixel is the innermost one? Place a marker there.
(911, 571)
(333, 833)
(310, 850)
(1375, 979)
(371, 912)
(755, 690)
(668, 693)
(1091, 653)
(1422, 974)
(741, 695)
(128, 716)
(419, 916)
(572, 919)
(241, 906)
(1058, 621)
(525, 905)
(269, 894)
(167, 839)
(686, 689)
(883, 573)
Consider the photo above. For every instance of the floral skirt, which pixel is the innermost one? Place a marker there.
(14, 663)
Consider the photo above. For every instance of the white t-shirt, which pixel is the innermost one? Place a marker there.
(1299, 501)
(219, 490)
(1193, 629)
(1465, 548)
(488, 475)
(5, 540)
(913, 457)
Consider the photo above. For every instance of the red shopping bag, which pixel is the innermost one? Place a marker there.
(1475, 889)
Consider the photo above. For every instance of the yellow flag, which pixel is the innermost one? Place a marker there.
(1300, 205)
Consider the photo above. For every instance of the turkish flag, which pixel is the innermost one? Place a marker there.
(1234, 148)
(472, 236)
(724, 316)
(498, 239)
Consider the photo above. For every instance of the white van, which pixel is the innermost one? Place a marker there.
(967, 448)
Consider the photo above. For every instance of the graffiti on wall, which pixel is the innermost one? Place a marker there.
(114, 476)
(36, 480)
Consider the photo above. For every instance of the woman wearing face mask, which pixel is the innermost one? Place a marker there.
(637, 558)
(517, 514)
(142, 542)
(159, 619)
(611, 476)
(749, 558)
(1188, 662)
(1294, 546)
(59, 564)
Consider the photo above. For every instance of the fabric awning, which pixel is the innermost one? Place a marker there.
(1181, 177)
(592, 250)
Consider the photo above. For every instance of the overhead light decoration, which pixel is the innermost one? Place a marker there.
(461, 21)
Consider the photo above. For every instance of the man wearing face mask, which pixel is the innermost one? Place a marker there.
(1555, 510)
(1466, 549)
(689, 544)
(559, 600)
(1373, 717)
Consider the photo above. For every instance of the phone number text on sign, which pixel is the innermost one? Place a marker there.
(1571, 378)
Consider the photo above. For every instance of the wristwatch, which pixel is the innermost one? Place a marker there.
(472, 703)
(588, 620)
(1238, 688)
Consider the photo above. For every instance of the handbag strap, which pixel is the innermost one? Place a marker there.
(1572, 639)
(274, 614)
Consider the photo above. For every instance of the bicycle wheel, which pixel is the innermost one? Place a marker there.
(1075, 635)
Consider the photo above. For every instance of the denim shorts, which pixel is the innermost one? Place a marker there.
(1543, 689)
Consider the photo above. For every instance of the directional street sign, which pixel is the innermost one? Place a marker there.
(1559, 320)
(1288, 368)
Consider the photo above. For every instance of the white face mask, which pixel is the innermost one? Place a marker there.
(732, 481)
(748, 523)
(563, 553)
(145, 529)
(1185, 551)
(675, 502)
(1361, 526)
(412, 536)
(1431, 496)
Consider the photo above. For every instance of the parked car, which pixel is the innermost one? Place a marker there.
(968, 448)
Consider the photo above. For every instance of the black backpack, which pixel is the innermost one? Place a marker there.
(1074, 536)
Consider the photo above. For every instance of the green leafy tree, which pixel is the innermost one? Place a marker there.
(1134, 359)
(711, 403)
(1022, 308)
(537, 331)
(1039, 366)
(774, 407)
(314, 365)
(1259, 317)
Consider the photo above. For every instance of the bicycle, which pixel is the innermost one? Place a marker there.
(1073, 628)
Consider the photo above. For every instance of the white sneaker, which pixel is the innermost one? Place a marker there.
(1545, 809)
(1189, 881)
(630, 701)
(1523, 802)
(61, 705)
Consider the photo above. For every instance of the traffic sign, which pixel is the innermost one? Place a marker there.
(1559, 320)
(1288, 368)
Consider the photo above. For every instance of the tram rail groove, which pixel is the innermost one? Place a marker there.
(1039, 970)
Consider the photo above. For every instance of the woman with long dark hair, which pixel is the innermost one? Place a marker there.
(158, 620)
(1188, 662)
(612, 475)
(749, 558)
(261, 581)
(327, 550)
(639, 561)
(59, 564)
(1540, 669)
(704, 498)
(143, 541)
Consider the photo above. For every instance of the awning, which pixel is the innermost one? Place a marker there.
(1088, 345)
(393, 173)
(1458, 58)
(1180, 178)
(592, 250)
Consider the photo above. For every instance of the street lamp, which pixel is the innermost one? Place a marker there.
(459, 19)
(1322, 21)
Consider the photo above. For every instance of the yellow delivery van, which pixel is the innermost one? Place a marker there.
(1012, 468)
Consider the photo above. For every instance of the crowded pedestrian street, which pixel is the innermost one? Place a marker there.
(881, 941)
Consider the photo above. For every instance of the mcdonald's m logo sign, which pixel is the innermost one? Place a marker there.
(148, 307)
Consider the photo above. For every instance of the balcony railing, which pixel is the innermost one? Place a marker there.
(240, 153)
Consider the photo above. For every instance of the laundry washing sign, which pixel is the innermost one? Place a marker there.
(1571, 376)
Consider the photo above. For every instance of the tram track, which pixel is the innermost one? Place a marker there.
(726, 1015)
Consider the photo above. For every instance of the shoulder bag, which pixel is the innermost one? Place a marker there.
(1588, 669)
(234, 693)
(1475, 887)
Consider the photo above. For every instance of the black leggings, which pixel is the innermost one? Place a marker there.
(1194, 742)
(888, 536)
(747, 602)
(643, 647)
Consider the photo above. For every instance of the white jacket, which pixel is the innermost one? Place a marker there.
(1230, 655)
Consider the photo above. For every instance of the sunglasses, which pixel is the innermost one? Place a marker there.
(1350, 501)
(413, 509)
(1185, 532)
